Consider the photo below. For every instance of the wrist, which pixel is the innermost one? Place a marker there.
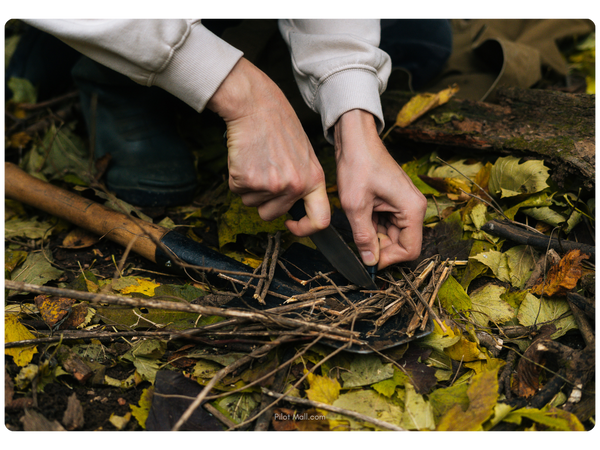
(356, 126)
(237, 95)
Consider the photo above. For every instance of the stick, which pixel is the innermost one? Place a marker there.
(264, 317)
(506, 230)
(335, 409)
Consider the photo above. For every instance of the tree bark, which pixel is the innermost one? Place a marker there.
(554, 126)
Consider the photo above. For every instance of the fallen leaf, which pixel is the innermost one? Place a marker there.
(36, 270)
(453, 297)
(489, 306)
(457, 169)
(508, 178)
(465, 350)
(421, 104)
(29, 228)
(15, 331)
(418, 413)
(513, 266)
(322, 389)
(73, 415)
(551, 418)
(119, 422)
(365, 370)
(534, 311)
(54, 310)
(443, 400)
(483, 395)
(563, 277)
(12, 259)
(128, 285)
(79, 238)
(369, 403)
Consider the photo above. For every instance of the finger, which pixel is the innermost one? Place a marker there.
(405, 245)
(318, 214)
(365, 234)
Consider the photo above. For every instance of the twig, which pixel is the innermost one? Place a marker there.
(335, 409)
(220, 375)
(272, 266)
(445, 273)
(263, 271)
(392, 311)
(263, 317)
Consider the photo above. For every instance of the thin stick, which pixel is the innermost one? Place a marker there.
(424, 302)
(335, 409)
(264, 317)
(263, 271)
(272, 267)
(220, 375)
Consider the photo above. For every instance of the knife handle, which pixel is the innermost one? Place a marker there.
(297, 211)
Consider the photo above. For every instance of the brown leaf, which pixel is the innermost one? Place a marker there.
(79, 238)
(563, 277)
(54, 310)
(526, 382)
(73, 416)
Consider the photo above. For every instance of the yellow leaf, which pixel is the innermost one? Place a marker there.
(420, 104)
(464, 350)
(323, 389)
(141, 412)
(483, 395)
(143, 286)
(15, 331)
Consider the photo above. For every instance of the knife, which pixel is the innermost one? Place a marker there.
(331, 244)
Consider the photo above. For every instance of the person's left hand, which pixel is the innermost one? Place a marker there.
(384, 207)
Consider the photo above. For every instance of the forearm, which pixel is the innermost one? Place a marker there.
(180, 56)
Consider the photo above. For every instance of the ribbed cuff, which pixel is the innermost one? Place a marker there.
(352, 88)
(198, 67)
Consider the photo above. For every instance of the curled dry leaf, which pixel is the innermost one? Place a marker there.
(79, 238)
(563, 277)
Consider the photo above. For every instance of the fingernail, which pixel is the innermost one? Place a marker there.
(368, 258)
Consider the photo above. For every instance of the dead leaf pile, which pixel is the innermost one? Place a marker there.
(500, 346)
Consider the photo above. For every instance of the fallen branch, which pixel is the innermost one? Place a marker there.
(263, 317)
(506, 230)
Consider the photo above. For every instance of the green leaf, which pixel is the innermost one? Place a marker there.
(418, 413)
(535, 311)
(415, 168)
(444, 399)
(553, 418)
(468, 168)
(36, 270)
(27, 228)
(388, 387)
(145, 357)
(23, 91)
(365, 370)
(474, 267)
(483, 395)
(241, 219)
(453, 296)
(508, 178)
(488, 305)
(369, 403)
(514, 266)
(535, 201)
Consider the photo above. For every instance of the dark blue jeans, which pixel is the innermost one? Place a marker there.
(420, 46)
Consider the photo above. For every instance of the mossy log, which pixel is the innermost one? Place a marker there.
(556, 126)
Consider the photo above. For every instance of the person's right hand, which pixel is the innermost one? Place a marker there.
(271, 161)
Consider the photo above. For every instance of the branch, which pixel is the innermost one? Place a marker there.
(506, 230)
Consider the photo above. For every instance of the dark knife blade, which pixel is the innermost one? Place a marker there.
(338, 253)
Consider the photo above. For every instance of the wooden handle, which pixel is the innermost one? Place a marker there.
(84, 213)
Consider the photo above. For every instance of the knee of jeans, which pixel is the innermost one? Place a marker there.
(421, 46)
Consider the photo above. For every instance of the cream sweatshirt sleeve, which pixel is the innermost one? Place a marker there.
(337, 63)
(338, 66)
(181, 56)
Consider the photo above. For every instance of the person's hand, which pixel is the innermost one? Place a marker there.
(271, 161)
(384, 207)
